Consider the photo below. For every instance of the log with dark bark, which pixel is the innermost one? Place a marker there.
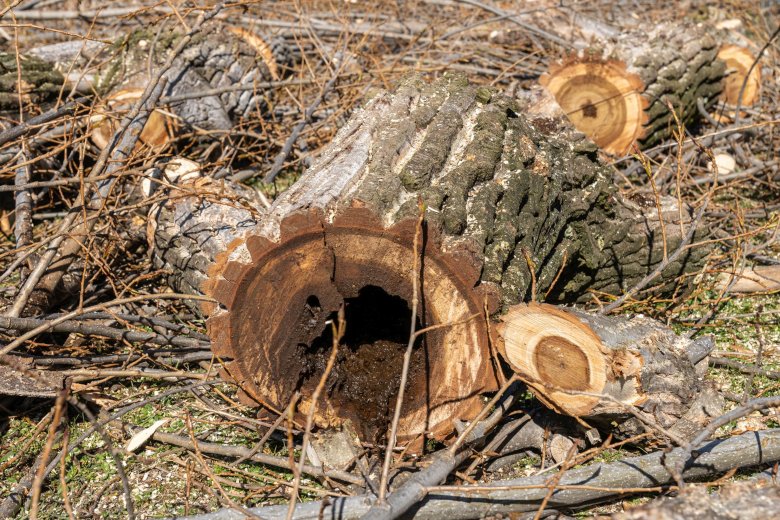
(516, 207)
(620, 88)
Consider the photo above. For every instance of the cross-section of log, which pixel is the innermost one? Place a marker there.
(582, 364)
(515, 207)
(156, 134)
(741, 70)
(618, 90)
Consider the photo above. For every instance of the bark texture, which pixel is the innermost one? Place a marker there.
(510, 204)
(740, 500)
(40, 84)
(669, 67)
(219, 57)
(525, 494)
(571, 358)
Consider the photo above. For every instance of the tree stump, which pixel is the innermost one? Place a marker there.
(618, 90)
(516, 208)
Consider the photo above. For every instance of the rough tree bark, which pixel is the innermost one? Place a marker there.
(619, 88)
(516, 208)
(39, 87)
(221, 58)
(743, 500)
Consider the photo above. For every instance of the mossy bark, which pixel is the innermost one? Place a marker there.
(516, 208)
(40, 85)
(525, 198)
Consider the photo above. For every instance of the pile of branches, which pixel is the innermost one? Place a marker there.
(101, 107)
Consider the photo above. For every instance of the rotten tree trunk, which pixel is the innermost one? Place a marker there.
(515, 208)
(619, 90)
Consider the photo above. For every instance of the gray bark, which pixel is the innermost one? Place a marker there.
(502, 188)
(746, 450)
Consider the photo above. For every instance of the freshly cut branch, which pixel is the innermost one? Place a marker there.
(588, 365)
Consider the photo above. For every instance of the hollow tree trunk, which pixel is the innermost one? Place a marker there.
(618, 89)
(515, 208)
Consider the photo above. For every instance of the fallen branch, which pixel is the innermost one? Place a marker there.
(238, 452)
(593, 483)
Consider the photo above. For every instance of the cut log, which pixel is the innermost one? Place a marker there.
(232, 62)
(570, 358)
(218, 61)
(740, 71)
(515, 208)
(618, 89)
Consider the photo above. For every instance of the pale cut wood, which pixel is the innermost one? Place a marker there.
(552, 347)
(602, 99)
(565, 353)
(604, 86)
(757, 279)
(739, 61)
(516, 206)
(158, 132)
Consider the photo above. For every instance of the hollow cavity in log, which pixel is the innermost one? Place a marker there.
(515, 207)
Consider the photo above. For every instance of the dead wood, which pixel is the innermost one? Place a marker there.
(622, 88)
(516, 208)
(576, 489)
(743, 500)
(598, 367)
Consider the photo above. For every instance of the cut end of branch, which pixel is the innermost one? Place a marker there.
(602, 99)
(738, 62)
(552, 350)
(157, 133)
